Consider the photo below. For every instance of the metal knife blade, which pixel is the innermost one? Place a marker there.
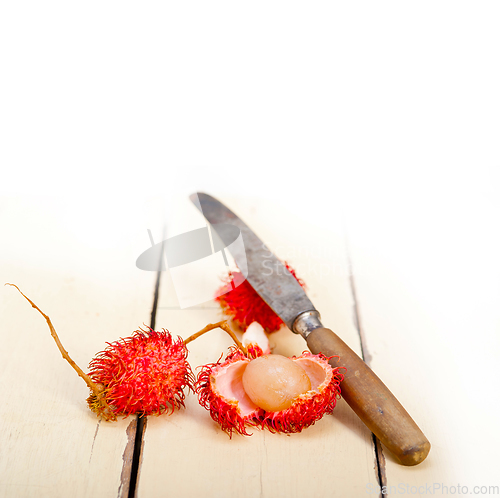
(281, 292)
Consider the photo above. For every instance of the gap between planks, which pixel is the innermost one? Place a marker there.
(132, 456)
(366, 356)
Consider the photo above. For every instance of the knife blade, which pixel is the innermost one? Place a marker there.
(365, 393)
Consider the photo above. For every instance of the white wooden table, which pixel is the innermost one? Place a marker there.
(436, 352)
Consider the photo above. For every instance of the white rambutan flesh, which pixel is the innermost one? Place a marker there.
(255, 334)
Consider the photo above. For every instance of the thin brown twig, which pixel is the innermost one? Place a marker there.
(222, 325)
(96, 389)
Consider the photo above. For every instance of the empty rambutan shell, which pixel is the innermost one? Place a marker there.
(143, 374)
(241, 302)
(221, 390)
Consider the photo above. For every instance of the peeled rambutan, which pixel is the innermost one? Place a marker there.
(240, 301)
(281, 394)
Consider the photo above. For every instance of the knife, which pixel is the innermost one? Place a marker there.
(364, 392)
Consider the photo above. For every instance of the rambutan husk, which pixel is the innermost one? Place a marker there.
(230, 413)
(232, 409)
(241, 302)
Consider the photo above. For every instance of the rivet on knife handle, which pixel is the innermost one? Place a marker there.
(371, 400)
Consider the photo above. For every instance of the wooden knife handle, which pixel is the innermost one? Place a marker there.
(374, 404)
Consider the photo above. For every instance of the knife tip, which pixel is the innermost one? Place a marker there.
(197, 197)
(194, 197)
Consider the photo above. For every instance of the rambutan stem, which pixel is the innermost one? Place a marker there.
(97, 390)
(222, 325)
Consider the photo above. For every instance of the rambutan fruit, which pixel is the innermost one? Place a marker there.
(271, 391)
(240, 301)
(144, 374)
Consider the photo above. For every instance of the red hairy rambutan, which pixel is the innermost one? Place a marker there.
(281, 394)
(144, 374)
(244, 305)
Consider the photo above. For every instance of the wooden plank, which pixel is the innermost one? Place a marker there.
(186, 454)
(77, 263)
(429, 310)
